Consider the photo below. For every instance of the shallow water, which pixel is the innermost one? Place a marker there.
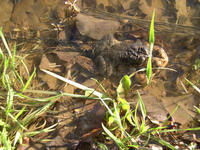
(29, 22)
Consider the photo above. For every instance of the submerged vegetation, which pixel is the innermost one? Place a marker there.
(21, 108)
(130, 127)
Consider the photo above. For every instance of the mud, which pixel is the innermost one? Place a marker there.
(30, 22)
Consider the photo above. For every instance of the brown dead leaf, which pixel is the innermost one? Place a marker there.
(72, 58)
(185, 112)
(51, 81)
(46, 64)
(51, 64)
(87, 126)
(154, 107)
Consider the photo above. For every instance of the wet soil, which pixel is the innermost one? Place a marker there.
(38, 26)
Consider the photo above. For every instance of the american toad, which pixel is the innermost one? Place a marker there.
(126, 56)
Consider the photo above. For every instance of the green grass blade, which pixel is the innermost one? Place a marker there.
(135, 119)
(13, 57)
(184, 88)
(6, 62)
(149, 70)
(19, 77)
(29, 80)
(163, 143)
(130, 139)
(175, 109)
(151, 34)
(57, 95)
(20, 112)
(117, 116)
(1, 54)
(21, 59)
(112, 136)
(102, 146)
(100, 85)
(156, 129)
(105, 105)
(143, 111)
(148, 138)
(197, 109)
(177, 130)
(10, 98)
(4, 124)
(37, 112)
(45, 130)
(13, 118)
(5, 43)
(98, 94)
(54, 93)
(194, 86)
(166, 122)
(6, 143)
(26, 69)
(151, 43)
(142, 106)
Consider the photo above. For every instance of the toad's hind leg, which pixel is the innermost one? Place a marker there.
(103, 67)
(160, 58)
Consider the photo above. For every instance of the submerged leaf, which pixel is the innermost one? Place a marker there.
(124, 86)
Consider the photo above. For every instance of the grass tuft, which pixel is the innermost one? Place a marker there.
(15, 114)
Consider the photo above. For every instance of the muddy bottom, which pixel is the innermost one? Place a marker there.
(57, 40)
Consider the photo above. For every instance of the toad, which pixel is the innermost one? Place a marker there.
(126, 56)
